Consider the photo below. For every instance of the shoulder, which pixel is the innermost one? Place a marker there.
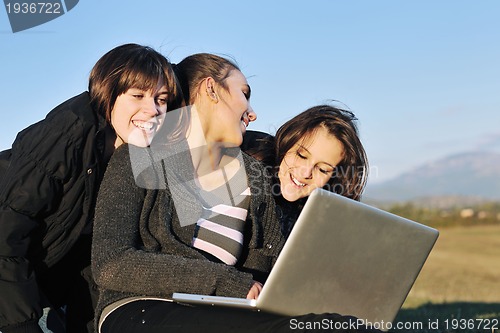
(253, 140)
(256, 169)
(251, 135)
(66, 125)
(137, 165)
(259, 179)
(120, 160)
(259, 145)
(57, 143)
(77, 108)
(118, 174)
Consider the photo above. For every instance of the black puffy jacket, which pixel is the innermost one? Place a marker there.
(48, 187)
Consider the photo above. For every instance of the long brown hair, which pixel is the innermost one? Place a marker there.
(350, 175)
(194, 68)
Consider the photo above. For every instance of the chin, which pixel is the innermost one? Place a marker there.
(291, 197)
(140, 142)
(235, 141)
(232, 144)
(139, 138)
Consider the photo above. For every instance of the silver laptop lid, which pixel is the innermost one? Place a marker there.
(347, 257)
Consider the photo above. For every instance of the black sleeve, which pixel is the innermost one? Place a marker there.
(31, 187)
(260, 146)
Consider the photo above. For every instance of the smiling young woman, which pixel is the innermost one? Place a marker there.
(319, 147)
(49, 183)
(308, 165)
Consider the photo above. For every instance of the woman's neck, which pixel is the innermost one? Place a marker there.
(206, 155)
(211, 166)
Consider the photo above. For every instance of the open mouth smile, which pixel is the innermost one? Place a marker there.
(144, 125)
(245, 121)
(296, 181)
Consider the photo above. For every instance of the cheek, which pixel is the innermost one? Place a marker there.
(114, 120)
(322, 180)
(284, 166)
(118, 114)
(240, 105)
(117, 109)
(118, 122)
(282, 171)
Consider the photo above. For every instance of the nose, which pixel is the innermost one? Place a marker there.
(252, 116)
(150, 107)
(306, 171)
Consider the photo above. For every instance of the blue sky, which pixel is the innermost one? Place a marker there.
(423, 77)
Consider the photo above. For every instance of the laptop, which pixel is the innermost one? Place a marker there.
(342, 256)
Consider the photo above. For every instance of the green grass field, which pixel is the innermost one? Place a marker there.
(458, 289)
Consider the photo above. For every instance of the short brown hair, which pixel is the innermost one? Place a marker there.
(130, 66)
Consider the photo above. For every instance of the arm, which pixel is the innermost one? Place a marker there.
(43, 164)
(26, 193)
(134, 252)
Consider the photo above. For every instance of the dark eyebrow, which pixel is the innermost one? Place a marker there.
(302, 147)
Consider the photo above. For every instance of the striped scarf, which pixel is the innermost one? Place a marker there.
(219, 231)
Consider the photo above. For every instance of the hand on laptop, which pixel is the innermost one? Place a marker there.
(255, 290)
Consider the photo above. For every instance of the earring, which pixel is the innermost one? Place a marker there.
(212, 95)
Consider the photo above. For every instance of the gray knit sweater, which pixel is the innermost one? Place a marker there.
(140, 249)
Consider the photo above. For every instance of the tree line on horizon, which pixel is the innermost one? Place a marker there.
(480, 214)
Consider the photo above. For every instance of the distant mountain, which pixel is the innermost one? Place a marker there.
(467, 176)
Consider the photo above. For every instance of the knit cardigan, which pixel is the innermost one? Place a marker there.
(140, 248)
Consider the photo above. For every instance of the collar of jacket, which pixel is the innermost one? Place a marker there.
(84, 111)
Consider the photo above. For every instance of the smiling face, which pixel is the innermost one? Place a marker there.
(137, 115)
(309, 164)
(233, 112)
